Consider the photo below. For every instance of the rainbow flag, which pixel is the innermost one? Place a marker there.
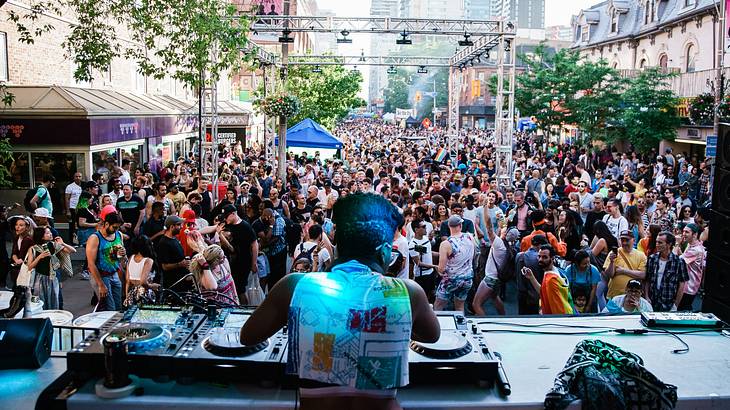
(440, 155)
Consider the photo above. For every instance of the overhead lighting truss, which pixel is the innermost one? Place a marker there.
(322, 24)
(386, 61)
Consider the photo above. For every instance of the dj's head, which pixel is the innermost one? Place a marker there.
(364, 227)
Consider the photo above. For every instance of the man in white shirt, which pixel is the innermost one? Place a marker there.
(315, 240)
(421, 254)
(400, 245)
(73, 192)
(614, 220)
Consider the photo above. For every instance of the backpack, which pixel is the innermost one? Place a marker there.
(507, 272)
(397, 263)
(306, 254)
(29, 194)
(292, 233)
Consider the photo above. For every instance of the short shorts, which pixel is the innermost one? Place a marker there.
(492, 282)
(454, 286)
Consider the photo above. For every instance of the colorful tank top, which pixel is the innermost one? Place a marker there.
(106, 257)
(462, 252)
(350, 327)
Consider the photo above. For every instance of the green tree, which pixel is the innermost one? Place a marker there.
(327, 96)
(396, 94)
(650, 110)
(179, 38)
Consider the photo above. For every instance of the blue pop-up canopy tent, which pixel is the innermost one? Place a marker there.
(309, 134)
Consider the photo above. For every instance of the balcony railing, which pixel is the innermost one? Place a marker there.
(685, 84)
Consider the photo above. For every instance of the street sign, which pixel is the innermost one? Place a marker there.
(711, 147)
(226, 138)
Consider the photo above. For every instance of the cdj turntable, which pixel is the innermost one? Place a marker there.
(154, 335)
(214, 351)
(461, 355)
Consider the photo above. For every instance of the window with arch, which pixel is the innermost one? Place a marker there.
(663, 62)
(647, 11)
(690, 58)
(615, 65)
(642, 64)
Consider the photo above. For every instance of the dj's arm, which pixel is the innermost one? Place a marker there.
(273, 313)
(425, 325)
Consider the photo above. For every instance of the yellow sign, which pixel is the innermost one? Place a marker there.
(476, 88)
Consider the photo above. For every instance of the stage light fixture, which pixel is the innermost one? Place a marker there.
(466, 42)
(344, 39)
(362, 56)
(316, 69)
(285, 37)
(391, 70)
(404, 40)
(471, 63)
(422, 70)
(507, 45)
(510, 26)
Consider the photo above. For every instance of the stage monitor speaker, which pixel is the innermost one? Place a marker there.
(717, 278)
(721, 190)
(25, 343)
(722, 159)
(719, 239)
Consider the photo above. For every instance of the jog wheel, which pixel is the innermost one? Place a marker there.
(449, 346)
(226, 342)
(142, 337)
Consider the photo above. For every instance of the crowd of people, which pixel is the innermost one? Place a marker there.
(575, 229)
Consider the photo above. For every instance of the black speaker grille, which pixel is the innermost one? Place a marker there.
(723, 147)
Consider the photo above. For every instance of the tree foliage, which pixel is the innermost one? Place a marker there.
(649, 114)
(327, 96)
(179, 38)
(563, 88)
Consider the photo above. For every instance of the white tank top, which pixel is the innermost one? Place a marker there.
(135, 268)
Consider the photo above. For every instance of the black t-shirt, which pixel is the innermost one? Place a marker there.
(590, 220)
(87, 215)
(300, 215)
(242, 237)
(258, 226)
(153, 226)
(169, 250)
(130, 208)
(444, 192)
(206, 205)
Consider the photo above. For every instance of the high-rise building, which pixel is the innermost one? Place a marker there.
(378, 79)
(478, 9)
(528, 15)
(435, 9)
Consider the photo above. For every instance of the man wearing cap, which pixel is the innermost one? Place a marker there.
(171, 256)
(666, 275)
(694, 256)
(467, 225)
(244, 243)
(499, 257)
(629, 302)
(623, 264)
(455, 266)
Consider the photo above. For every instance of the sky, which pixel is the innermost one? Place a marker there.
(557, 12)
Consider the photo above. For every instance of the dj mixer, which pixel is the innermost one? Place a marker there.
(181, 344)
(154, 335)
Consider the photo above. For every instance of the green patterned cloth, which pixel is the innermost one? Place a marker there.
(604, 376)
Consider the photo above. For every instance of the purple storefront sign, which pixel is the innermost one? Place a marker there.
(105, 131)
(83, 131)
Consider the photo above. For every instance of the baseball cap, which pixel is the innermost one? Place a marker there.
(90, 184)
(189, 215)
(228, 209)
(172, 220)
(455, 220)
(626, 234)
(109, 209)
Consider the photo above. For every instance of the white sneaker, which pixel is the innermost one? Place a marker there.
(84, 275)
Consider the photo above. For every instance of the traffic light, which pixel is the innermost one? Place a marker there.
(418, 96)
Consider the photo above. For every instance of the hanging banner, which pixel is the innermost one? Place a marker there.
(727, 25)
(403, 113)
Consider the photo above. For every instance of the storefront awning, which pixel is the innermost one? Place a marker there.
(64, 102)
(230, 114)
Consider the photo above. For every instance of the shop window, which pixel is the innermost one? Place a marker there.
(104, 161)
(62, 166)
(133, 153)
(18, 168)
